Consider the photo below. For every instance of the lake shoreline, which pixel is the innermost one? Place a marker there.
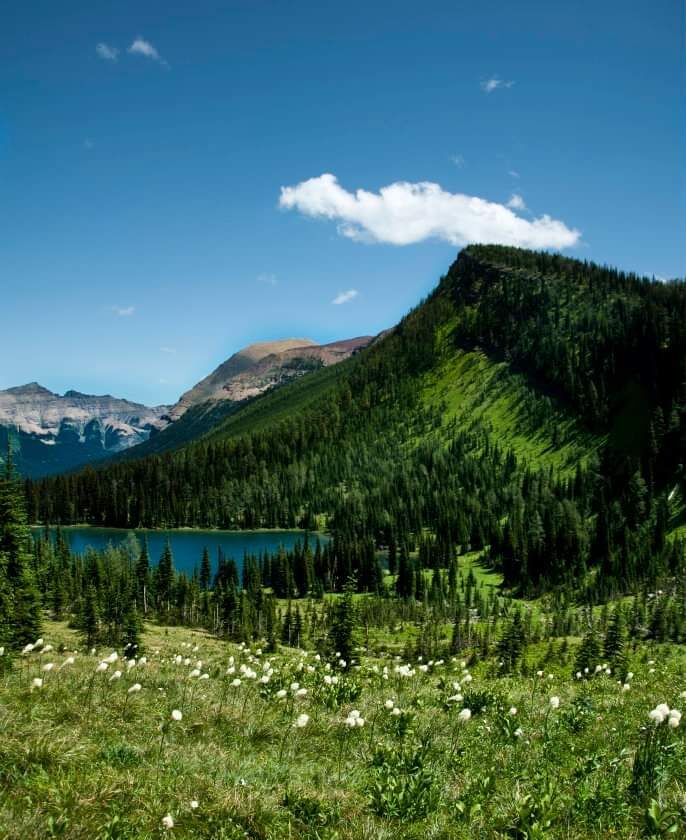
(188, 545)
(183, 529)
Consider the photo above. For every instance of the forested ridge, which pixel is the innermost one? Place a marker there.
(368, 454)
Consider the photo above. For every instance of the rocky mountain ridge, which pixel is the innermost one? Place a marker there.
(52, 433)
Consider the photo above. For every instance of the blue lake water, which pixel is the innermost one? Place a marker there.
(187, 546)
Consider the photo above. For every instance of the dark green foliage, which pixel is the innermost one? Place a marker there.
(403, 785)
(511, 644)
(343, 624)
(615, 640)
(589, 653)
(19, 597)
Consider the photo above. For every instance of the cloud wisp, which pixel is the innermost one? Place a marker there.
(403, 213)
(516, 202)
(494, 83)
(267, 279)
(106, 52)
(345, 297)
(142, 47)
(123, 311)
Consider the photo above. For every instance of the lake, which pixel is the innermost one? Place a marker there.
(187, 545)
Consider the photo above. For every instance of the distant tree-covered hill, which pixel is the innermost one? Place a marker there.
(532, 406)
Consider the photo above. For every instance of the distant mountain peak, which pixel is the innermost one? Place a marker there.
(266, 348)
(30, 389)
(259, 367)
(55, 433)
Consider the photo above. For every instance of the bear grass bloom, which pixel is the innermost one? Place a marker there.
(176, 715)
(354, 719)
(464, 715)
(662, 713)
(302, 721)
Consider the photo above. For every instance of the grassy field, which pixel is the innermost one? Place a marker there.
(88, 755)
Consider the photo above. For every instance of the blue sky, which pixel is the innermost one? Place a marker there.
(144, 234)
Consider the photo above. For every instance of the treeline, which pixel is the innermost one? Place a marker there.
(278, 598)
(383, 471)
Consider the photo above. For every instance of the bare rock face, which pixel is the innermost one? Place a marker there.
(52, 433)
(260, 367)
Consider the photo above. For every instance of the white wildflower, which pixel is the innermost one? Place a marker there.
(656, 716)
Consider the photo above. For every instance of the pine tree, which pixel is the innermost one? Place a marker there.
(165, 579)
(89, 620)
(614, 643)
(589, 653)
(20, 604)
(205, 570)
(343, 623)
(511, 643)
(143, 576)
(131, 630)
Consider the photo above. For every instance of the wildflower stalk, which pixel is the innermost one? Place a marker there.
(163, 735)
(341, 745)
(222, 698)
(245, 701)
(283, 743)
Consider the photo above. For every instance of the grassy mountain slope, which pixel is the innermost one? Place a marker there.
(531, 403)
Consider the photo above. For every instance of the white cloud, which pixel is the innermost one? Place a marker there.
(142, 47)
(268, 279)
(88, 144)
(345, 297)
(106, 52)
(513, 173)
(123, 311)
(458, 160)
(516, 202)
(167, 350)
(404, 214)
(489, 85)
